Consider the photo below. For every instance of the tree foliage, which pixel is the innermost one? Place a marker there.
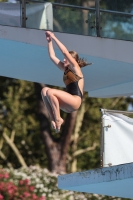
(19, 121)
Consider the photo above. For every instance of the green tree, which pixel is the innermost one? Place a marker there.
(67, 151)
(80, 134)
(19, 127)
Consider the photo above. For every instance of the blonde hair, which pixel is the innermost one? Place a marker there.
(81, 61)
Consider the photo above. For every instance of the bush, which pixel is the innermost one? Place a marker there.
(12, 190)
(38, 182)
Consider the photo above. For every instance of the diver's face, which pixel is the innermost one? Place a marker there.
(66, 62)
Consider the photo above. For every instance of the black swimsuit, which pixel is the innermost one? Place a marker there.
(71, 81)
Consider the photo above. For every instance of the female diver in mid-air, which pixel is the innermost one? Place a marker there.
(70, 99)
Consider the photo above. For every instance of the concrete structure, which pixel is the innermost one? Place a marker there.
(112, 181)
(24, 56)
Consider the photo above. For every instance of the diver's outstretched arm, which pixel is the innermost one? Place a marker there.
(52, 55)
(63, 49)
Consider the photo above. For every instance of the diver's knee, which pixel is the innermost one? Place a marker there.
(44, 91)
(49, 92)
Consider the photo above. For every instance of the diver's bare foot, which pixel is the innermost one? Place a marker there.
(53, 124)
(59, 122)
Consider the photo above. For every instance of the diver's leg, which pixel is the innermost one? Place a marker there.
(48, 106)
(53, 101)
(60, 99)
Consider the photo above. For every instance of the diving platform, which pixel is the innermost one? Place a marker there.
(115, 175)
(111, 181)
(24, 55)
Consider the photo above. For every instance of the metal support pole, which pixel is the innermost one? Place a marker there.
(102, 139)
(97, 4)
(23, 13)
(117, 111)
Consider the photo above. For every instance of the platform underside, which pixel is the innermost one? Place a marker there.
(111, 181)
(24, 56)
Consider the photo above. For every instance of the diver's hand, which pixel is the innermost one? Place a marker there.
(48, 37)
(50, 34)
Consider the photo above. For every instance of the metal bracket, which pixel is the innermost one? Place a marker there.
(24, 13)
(108, 126)
(97, 18)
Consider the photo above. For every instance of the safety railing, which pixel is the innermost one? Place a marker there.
(10, 14)
(67, 18)
(73, 20)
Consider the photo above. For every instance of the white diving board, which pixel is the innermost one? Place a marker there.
(111, 181)
(24, 55)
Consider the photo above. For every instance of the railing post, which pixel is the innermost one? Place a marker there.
(23, 13)
(97, 4)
